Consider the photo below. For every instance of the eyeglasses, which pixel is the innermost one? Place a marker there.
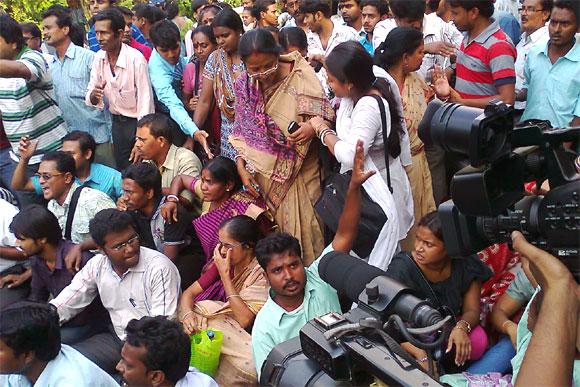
(47, 176)
(264, 73)
(529, 10)
(228, 245)
(130, 241)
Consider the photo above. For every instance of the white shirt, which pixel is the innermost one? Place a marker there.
(151, 288)
(340, 34)
(7, 239)
(435, 29)
(194, 378)
(540, 36)
(91, 201)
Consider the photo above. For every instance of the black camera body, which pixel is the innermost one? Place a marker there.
(488, 199)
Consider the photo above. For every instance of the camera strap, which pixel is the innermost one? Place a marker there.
(435, 298)
(72, 207)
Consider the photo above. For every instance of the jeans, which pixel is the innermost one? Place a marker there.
(123, 132)
(496, 359)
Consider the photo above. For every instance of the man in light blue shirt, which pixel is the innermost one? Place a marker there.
(71, 71)
(552, 72)
(31, 353)
(166, 71)
(298, 294)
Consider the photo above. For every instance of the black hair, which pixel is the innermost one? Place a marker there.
(32, 29)
(146, 175)
(432, 221)
(207, 31)
(149, 12)
(350, 62)
(258, 40)
(165, 35)
(29, 326)
(381, 5)
(171, 9)
(313, 6)
(62, 14)
(223, 5)
(571, 5)
(261, 6)
(432, 5)
(158, 125)
(401, 40)
(485, 7)
(11, 32)
(410, 9)
(85, 140)
(209, 8)
(228, 18)
(124, 10)
(197, 4)
(547, 5)
(243, 229)
(224, 170)
(36, 222)
(293, 36)
(167, 345)
(344, 1)
(77, 35)
(64, 162)
(109, 221)
(276, 243)
(114, 16)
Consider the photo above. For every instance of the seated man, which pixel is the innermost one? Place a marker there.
(82, 147)
(156, 353)
(143, 200)
(13, 285)
(131, 281)
(297, 294)
(39, 237)
(154, 143)
(32, 354)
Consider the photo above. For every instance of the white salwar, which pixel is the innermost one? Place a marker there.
(363, 122)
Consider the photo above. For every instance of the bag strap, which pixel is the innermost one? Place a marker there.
(196, 80)
(385, 137)
(72, 207)
(435, 298)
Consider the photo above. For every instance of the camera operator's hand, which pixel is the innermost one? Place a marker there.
(460, 339)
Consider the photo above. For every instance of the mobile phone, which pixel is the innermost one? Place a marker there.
(293, 126)
(316, 64)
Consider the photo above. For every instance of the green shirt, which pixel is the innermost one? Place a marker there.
(275, 325)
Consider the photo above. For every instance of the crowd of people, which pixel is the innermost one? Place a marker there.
(160, 177)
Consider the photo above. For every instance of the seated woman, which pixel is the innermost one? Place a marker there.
(236, 271)
(451, 284)
(219, 189)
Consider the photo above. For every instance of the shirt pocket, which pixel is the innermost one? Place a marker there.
(79, 81)
(127, 98)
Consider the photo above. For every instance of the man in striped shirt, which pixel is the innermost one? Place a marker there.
(485, 62)
(27, 98)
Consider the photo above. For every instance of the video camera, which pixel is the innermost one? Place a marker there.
(354, 348)
(487, 202)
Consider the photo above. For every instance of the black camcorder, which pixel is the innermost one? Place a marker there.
(488, 199)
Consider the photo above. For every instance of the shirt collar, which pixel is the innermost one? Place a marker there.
(70, 51)
(122, 59)
(139, 268)
(487, 33)
(170, 158)
(572, 55)
(22, 51)
(278, 312)
(69, 195)
(91, 174)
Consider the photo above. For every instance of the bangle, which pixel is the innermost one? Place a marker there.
(232, 295)
(174, 197)
(423, 360)
(466, 327)
(185, 315)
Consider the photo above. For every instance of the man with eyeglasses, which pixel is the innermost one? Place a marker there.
(132, 281)
(535, 15)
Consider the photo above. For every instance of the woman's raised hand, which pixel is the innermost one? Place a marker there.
(304, 133)
(440, 83)
(223, 264)
(169, 212)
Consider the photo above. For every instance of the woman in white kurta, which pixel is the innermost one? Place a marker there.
(350, 74)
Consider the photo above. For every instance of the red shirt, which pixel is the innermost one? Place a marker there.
(146, 51)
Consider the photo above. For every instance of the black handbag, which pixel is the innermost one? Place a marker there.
(372, 217)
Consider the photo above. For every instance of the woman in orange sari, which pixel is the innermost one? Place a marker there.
(283, 167)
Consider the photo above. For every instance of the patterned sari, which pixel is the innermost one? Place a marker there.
(288, 174)
(236, 363)
(414, 106)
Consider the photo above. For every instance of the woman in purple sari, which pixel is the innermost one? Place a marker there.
(220, 191)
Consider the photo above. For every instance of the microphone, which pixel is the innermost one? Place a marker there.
(374, 290)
